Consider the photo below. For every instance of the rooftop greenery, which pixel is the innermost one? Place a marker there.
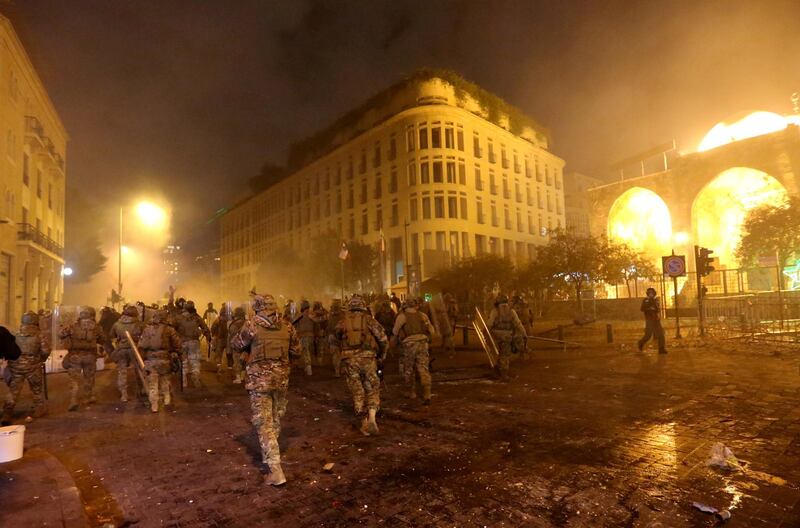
(494, 108)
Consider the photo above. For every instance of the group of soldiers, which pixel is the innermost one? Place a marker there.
(259, 349)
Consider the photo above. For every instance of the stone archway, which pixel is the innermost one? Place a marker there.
(640, 218)
(722, 205)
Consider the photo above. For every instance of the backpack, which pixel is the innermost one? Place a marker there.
(357, 331)
(152, 338)
(414, 325)
(270, 343)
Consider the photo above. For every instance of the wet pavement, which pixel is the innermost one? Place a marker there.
(596, 436)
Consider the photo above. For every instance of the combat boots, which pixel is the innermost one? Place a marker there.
(308, 370)
(275, 476)
(154, 406)
(8, 414)
(372, 424)
(124, 397)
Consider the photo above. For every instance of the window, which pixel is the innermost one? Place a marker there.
(506, 190)
(438, 206)
(440, 240)
(339, 201)
(326, 181)
(395, 219)
(350, 168)
(547, 175)
(376, 156)
(410, 138)
(462, 173)
(378, 187)
(362, 162)
(50, 196)
(517, 167)
(364, 222)
(491, 152)
(363, 191)
(452, 207)
(476, 146)
(378, 219)
(392, 148)
(25, 170)
(350, 196)
(337, 176)
(536, 168)
(460, 138)
(492, 183)
(495, 219)
(517, 191)
(503, 156)
(531, 227)
(451, 172)
(38, 183)
(412, 174)
(412, 207)
(393, 180)
(426, 207)
(519, 221)
(507, 217)
(437, 172)
(549, 203)
(480, 244)
(539, 198)
(423, 137)
(479, 210)
(478, 181)
(463, 204)
(528, 194)
(449, 138)
(351, 227)
(424, 174)
(527, 167)
(436, 136)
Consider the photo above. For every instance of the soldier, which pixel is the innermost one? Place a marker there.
(336, 315)
(385, 316)
(159, 344)
(266, 342)
(525, 315)
(35, 349)
(363, 343)
(651, 308)
(234, 328)
(108, 316)
(304, 324)
(320, 316)
(82, 337)
(414, 330)
(123, 352)
(507, 331)
(219, 335)
(190, 327)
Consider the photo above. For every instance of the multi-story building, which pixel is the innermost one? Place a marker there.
(434, 165)
(577, 203)
(33, 146)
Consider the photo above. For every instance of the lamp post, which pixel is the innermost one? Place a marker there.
(151, 215)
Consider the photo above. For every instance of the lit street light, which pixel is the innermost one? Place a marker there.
(66, 272)
(151, 216)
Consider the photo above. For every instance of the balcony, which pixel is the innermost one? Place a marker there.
(28, 233)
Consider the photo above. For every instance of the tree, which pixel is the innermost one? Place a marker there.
(361, 267)
(536, 281)
(473, 278)
(573, 259)
(82, 242)
(620, 263)
(771, 231)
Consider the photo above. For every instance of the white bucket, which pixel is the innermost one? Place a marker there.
(11, 440)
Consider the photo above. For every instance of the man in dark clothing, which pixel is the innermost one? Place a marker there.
(651, 308)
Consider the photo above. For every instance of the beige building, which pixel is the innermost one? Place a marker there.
(33, 146)
(578, 205)
(436, 164)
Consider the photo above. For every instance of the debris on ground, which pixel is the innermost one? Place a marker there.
(722, 457)
(328, 467)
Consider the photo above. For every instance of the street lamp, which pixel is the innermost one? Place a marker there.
(151, 216)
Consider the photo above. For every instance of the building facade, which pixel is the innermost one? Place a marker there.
(32, 186)
(425, 168)
(577, 203)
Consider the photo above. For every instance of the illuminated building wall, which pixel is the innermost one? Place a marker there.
(33, 143)
(428, 155)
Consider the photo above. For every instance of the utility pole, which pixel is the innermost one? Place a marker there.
(407, 259)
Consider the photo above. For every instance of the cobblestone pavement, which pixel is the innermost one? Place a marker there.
(588, 437)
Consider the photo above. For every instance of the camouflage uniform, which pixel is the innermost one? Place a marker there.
(525, 315)
(267, 342)
(123, 352)
(219, 334)
(234, 328)
(35, 348)
(363, 342)
(82, 337)
(190, 327)
(320, 317)
(304, 325)
(414, 329)
(159, 343)
(334, 317)
(507, 331)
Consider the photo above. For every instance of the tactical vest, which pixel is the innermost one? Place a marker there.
(188, 328)
(304, 325)
(121, 327)
(270, 343)
(29, 345)
(414, 325)
(503, 321)
(83, 335)
(358, 335)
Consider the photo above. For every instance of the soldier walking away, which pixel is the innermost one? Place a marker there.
(159, 344)
(219, 343)
(507, 331)
(363, 343)
(108, 316)
(82, 338)
(525, 314)
(190, 327)
(320, 316)
(304, 324)
(123, 352)
(651, 307)
(395, 300)
(34, 349)
(336, 315)
(234, 328)
(414, 330)
(266, 342)
(210, 315)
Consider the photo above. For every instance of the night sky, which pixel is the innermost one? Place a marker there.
(190, 98)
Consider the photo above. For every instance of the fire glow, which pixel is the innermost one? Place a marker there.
(641, 219)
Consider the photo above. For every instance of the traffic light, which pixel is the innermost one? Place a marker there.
(703, 259)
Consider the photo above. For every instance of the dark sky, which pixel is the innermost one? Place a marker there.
(190, 98)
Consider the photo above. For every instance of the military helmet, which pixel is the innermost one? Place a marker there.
(239, 312)
(30, 318)
(304, 305)
(265, 303)
(501, 299)
(86, 312)
(411, 303)
(357, 303)
(130, 310)
(317, 305)
(160, 316)
(188, 305)
(180, 302)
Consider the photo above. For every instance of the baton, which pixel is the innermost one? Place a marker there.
(138, 358)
